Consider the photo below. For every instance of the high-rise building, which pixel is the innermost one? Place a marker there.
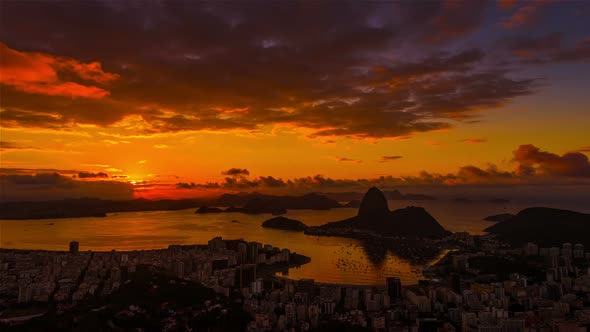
(24, 294)
(306, 286)
(179, 268)
(115, 273)
(554, 291)
(579, 251)
(531, 249)
(74, 247)
(245, 275)
(216, 244)
(253, 252)
(456, 283)
(242, 253)
(567, 250)
(394, 288)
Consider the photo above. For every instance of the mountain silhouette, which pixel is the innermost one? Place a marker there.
(544, 226)
(373, 205)
(374, 215)
(285, 223)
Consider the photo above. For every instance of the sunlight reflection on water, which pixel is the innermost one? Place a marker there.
(334, 259)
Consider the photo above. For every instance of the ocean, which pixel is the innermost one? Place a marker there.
(333, 259)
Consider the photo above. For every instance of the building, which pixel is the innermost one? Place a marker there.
(245, 275)
(74, 247)
(242, 253)
(253, 252)
(24, 294)
(456, 283)
(579, 251)
(394, 288)
(306, 286)
(531, 249)
(216, 244)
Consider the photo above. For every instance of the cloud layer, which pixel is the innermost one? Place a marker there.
(532, 161)
(371, 70)
(531, 166)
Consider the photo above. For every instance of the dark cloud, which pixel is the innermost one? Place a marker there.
(185, 185)
(549, 48)
(228, 66)
(506, 4)
(532, 161)
(473, 140)
(90, 175)
(530, 45)
(48, 186)
(584, 149)
(385, 159)
(526, 15)
(455, 19)
(33, 171)
(4, 146)
(348, 160)
(236, 172)
(271, 182)
(579, 53)
(472, 174)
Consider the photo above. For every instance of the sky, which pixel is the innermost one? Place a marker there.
(124, 99)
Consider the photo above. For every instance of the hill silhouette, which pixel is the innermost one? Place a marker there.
(544, 226)
(205, 209)
(374, 216)
(285, 223)
(88, 207)
(254, 203)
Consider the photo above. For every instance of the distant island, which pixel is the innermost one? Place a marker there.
(205, 209)
(257, 203)
(544, 226)
(285, 224)
(499, 217)
(499, 200)
(374, 217)
(244, 202)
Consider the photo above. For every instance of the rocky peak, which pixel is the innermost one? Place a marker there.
(373, 204)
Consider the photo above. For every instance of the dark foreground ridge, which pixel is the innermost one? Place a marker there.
(285, 224)
(374, 217)
(544, 226)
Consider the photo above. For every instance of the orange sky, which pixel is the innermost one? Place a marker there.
(463, 100)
